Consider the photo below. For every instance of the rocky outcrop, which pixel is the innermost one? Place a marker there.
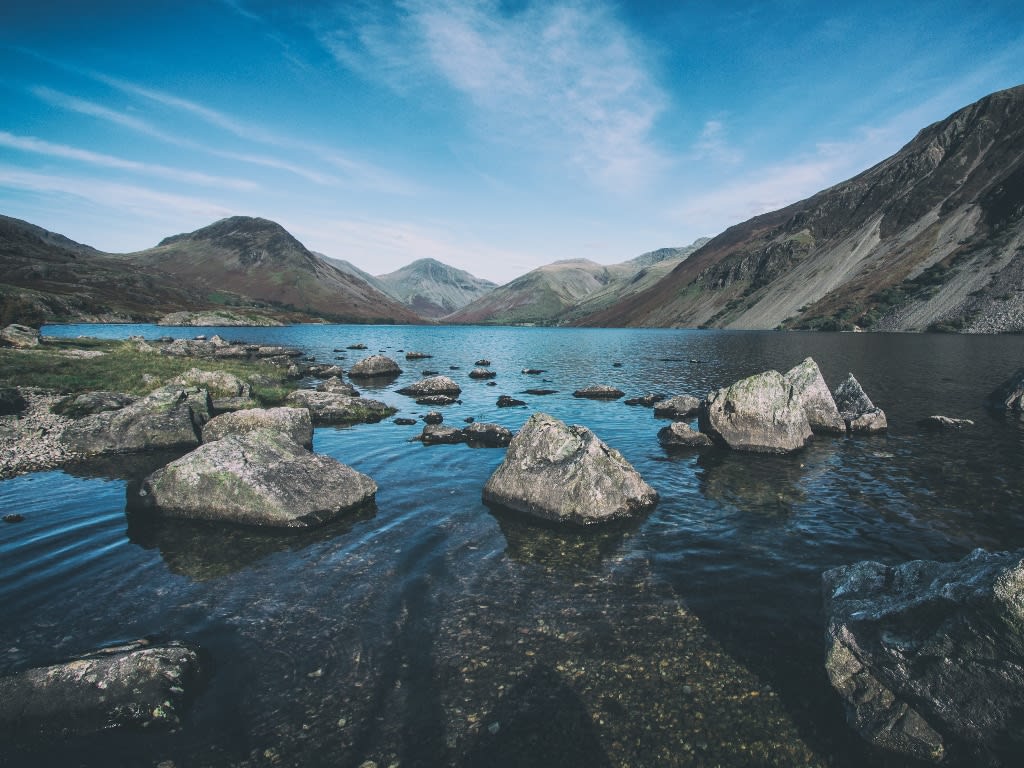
(1009, 396)
(679, 434)
(487, 435)
(19, 336)
(813, 395)
(327, 408)
(294, 422)
(678, 407)
(857, 410)
(759, 414)
(220, 384)
(167, 418)
(599, 392)
(135, 686)
(374, 366)
(431, 386)
(89, 403)
(566, 474)
(262, 478)
(929, 656)
(336, 386)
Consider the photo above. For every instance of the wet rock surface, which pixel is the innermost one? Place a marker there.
(566, 474)
(929, 657)
(135, 686)
(261, 478)
(859, 413)
(759, 414)
(294, 422)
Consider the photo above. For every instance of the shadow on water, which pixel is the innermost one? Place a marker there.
(203, 550)
(540, 721)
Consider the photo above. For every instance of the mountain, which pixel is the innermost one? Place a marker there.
(239, 263)
(557, 293)
(432, 289)
(351, 269)
(930, 238)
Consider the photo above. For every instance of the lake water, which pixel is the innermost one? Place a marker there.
(433, 631)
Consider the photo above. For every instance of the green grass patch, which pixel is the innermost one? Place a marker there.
(124, 368)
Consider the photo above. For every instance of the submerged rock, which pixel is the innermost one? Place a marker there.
(135, 686)
(261, 478)
(374, 366)
(857, 410)
(294, 422)
(929, 656)
(944, 423)
(678, 407)
(599, 392)
(814, 397)
(432, 386)
(167, 418)
(1009, 396)
(646, 400)
(566, 474)
(328, 408)
(759, 414)
(679, 434)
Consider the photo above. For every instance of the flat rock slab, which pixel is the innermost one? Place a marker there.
(168, 418)
(217, 383)
(678, 407)
(262, 478)
(327, 408)
(374, 366)
(136, 686)
(929, 657)
(760, 414)
(432, 386)
(599, 392)
(566, 474)
(294, 422)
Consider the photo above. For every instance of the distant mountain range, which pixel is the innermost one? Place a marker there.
(930, 239)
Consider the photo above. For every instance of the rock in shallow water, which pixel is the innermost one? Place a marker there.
(859, 413)
(680, 435)
(294, 422)
(929, 656)
(566, 474)
(759, 414)
(261, 478)
(432, 386)
(599, 392)
(375, 366)
(327, 408)
(812, 393)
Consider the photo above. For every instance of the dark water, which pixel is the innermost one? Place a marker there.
(434, 631)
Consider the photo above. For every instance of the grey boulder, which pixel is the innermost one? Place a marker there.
(440, 434)
(135, 686)
(432, 386)
(929, 657)
(220, 384)
(374, 366)
(88, 403)
(294, 422)
(678, 407)
(20, 336)
(760, 414)
(336, 386)
(679, 434)
(327, 408)
(814, 397)
(599, 392)
(262, 478)
(566, 474)
(167, 418)
(857, 410)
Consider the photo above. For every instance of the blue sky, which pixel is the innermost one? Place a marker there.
(493, 136)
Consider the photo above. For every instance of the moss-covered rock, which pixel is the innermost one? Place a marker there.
(294, 422)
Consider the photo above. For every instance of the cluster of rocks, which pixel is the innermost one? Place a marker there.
(31, 431)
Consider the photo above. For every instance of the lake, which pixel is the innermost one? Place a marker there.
(434, 631)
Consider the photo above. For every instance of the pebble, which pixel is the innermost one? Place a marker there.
(31, 441)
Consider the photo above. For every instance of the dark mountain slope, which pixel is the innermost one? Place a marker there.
(931, 237)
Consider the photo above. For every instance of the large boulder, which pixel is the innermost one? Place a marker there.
(135, 686)
(294, 422)
(374, 366)
(218, 383)
(678, 407)
(19, 336)
(566, 474)
(857, 410)
(1009, 396)
(812, 393)
(929, 656)
(432, 386)
(262, 478)
(759, 414)
(329, 408)
(167, 418)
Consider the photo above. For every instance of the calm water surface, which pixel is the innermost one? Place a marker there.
(434, 631)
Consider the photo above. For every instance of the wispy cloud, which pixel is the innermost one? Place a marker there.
(565, 76)
(713, 145)
(49, 149)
